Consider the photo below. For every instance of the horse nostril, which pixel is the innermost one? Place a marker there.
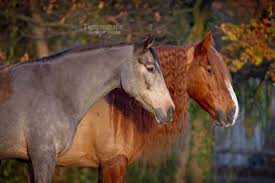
(220, 116)
(170, 112)
(158, 114)
(230, 115)
(163, 117)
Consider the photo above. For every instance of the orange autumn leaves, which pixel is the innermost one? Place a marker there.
(3, 59)
(252, 43)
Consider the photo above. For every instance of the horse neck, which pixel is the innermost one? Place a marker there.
(83, 77)
(100, 75)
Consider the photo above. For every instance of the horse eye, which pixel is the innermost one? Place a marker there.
(150, 68)
(209, 70)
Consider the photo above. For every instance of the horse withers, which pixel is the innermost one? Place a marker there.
(42, 101)
(117, 131)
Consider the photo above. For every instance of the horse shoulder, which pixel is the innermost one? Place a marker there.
(89, 137)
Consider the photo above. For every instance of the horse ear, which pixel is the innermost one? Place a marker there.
(145, 43)
(208, 40)
(204, 44)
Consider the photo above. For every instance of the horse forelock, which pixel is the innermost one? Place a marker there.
(154, 54)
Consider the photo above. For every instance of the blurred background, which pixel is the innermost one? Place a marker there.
(244, 32)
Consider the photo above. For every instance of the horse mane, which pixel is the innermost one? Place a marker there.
(76, 49)
(157, 139)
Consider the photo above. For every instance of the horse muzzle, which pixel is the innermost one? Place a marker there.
(225, 119)
(164, 117)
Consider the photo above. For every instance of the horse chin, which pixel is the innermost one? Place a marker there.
(150, 109)
(221, 124)
(160, 119)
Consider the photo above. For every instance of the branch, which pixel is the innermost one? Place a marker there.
(29, 20)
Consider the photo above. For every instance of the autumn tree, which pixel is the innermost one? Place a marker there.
(250, 47)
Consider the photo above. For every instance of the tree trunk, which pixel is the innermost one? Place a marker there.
(38, 32)
(200, 14)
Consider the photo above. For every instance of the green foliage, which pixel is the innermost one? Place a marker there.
(11, 171)
(199, 164)
(161, 172)
(76, 175)
(255, 100)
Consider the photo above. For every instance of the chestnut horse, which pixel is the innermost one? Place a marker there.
(117, 131)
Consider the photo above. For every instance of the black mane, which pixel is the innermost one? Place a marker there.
(75, 49)
(50, 57)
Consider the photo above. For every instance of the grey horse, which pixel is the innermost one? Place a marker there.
(42, 101)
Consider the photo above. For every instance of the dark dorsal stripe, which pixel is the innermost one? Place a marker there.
(75, 49)
(50, 57)
(98, 46)
(155, 57)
